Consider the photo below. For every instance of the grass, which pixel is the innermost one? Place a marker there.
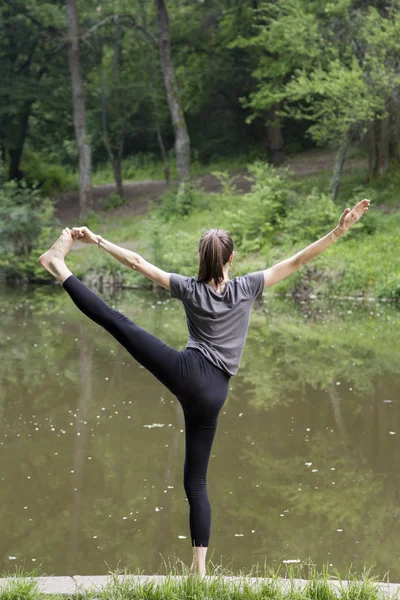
(364, 263)
(285, 582)
(142, 167)
(54, 178)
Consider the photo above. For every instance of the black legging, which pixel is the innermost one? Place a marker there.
(200, 387)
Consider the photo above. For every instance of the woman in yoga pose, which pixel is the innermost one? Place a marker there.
(217, 313)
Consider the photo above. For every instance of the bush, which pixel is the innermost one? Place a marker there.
(257, 217)
(26, 221)
(50, 178)
(177, 204)
(112, 201)
(310, 217)
(390, 288)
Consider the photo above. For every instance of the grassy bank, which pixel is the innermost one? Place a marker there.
(281, 215)
(299, 582)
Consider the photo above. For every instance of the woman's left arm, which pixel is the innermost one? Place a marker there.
(286, 267)
(125, 257)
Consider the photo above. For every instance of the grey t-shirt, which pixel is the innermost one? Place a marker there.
(218, 323)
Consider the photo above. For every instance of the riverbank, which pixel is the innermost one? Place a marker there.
(282, 213)
(271, 214)
(178, 587)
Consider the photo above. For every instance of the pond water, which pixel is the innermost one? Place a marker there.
(305, 464)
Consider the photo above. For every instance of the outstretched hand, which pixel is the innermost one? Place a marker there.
(83, 234)
(351, 216)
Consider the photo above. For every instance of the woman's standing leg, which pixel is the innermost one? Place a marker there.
(199, 440)
(201, 410)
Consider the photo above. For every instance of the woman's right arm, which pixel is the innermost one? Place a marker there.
(287, 267)
(125, 257)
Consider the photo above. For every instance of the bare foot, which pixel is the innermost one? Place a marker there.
(53, 259)
(196, 572)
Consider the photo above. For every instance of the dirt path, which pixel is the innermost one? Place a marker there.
(139, 194)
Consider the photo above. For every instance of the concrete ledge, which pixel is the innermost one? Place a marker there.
(77, 584)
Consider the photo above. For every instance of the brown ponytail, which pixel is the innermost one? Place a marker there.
(215, 249)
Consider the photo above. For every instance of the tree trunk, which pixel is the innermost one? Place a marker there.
(14, 172)
(78, 103)
(383, 146)
(182, 141)
(372, 151)
(338, 167)
(117, 170)
(167, 172)
(115, 155)
(394, 140)
(15, 153)
(275, 146)
(121, 109)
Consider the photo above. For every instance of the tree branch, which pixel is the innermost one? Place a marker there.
(129, 19)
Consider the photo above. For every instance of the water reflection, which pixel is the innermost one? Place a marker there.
(305, 461)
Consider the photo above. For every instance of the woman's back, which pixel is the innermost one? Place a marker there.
(218, 323)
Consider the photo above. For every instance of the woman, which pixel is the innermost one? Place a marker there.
(217, 313)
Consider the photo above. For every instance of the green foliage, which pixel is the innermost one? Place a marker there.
(26, 221)
(257, 217)
(297, 212)
(335, 98)
(274, 27)
(51, 178)
(178, 204)
(21, 585)
(33, 78)
(113, 200)
(310, 216)
(226, 181)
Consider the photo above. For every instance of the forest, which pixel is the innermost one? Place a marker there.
(97, 92)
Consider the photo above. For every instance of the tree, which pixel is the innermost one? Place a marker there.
(284, 37)
(113, 139)
(182, 141)
(78, 102)
(29, 43)
(335, 65)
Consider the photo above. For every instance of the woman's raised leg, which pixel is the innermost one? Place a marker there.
(156, 356)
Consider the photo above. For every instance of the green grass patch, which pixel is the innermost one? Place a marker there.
(285, 582)
(142, 167)
(278, 218)
(281, 215)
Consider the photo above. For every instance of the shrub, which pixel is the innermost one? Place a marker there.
(112, 201)
(26, 221)
(311, 217)
(257, 217)
(49, 177)
(177, 204)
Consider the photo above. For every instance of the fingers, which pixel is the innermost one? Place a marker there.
(78, 232)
